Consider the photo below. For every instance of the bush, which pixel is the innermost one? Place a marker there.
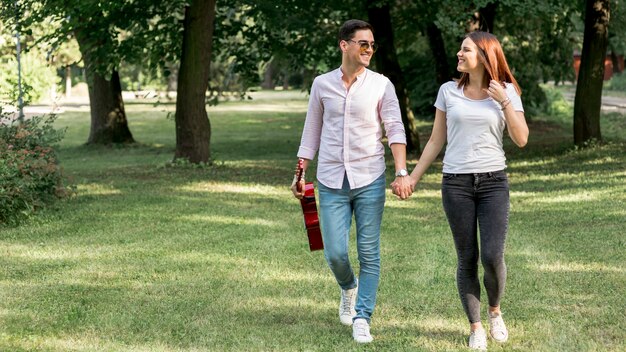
(37, 78)
(617, 82)
(30, 175)
(557, 106)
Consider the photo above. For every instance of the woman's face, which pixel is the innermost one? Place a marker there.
(468, 57)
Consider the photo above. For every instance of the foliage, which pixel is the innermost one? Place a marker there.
(38, 76)
(617, 82)
(30, 175)
(38, 79)
(617, 27)
(558, 108)
(137, 77)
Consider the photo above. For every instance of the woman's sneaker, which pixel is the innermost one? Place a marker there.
(478, 339)
(497, 329)
(361, 331)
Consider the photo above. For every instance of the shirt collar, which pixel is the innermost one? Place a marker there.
(360, 76)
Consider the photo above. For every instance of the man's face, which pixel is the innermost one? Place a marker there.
(353, 51)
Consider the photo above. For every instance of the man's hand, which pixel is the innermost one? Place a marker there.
(294, 186)
(402, 187)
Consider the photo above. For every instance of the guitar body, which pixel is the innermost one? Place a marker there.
(309, 210)
(311, 219)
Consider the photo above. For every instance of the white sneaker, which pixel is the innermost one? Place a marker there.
(346, 306)
(497, 329)
(478, 339)
(361, 331)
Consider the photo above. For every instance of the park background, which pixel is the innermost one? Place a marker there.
(147, 217)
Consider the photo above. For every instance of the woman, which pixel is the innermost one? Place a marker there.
(471, 116)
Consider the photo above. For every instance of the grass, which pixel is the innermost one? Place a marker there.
(154, 258)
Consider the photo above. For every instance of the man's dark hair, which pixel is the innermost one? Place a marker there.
(348, 28)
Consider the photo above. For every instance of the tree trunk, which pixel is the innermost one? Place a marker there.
(483, 19)
(588, 99)
(108, 116)
(436, 44)
(487, 16)
(68, 81)
(388, 65)
(193, 130)
(268, 75)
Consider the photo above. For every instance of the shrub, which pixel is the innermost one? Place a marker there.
(30, 175)
(557, 106)
(617, 82)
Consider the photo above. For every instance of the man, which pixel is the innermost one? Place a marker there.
(346, 109)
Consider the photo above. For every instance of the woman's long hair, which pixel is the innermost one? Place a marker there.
(490, 54)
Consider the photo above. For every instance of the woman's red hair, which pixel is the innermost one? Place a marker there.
(490, 54)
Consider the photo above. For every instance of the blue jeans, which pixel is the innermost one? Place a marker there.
(472, 202)
(336, 209)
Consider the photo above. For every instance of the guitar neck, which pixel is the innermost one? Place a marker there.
(299, 172)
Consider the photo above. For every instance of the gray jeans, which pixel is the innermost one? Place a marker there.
(473, 202)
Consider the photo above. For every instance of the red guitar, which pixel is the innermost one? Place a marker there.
(309, 209)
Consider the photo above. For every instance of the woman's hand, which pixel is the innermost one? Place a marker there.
(413, 182)
(496, 92)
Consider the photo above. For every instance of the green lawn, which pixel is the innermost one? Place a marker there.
(153, 258)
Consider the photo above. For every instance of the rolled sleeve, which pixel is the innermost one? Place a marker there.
(311, 133)
(391, 116)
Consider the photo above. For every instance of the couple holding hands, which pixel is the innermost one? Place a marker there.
(348, 108)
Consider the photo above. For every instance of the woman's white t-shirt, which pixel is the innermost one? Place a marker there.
(474, 130)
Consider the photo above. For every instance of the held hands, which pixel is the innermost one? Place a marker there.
(403, 186)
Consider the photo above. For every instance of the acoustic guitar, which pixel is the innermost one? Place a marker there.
(309, 209)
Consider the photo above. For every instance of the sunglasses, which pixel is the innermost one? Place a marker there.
(363, 45)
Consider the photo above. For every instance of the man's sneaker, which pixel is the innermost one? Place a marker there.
(478, 339)
(361, 331)
(346, 306)
(497, 329)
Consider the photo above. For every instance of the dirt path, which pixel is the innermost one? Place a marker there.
(609, 103)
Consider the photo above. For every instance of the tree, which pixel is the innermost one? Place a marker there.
(588, 99)
(93, 24)
(388, 65)
(193, 129)
(108, 115)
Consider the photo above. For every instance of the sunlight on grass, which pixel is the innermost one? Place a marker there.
(553, 197)
(301, 108)
(89, 343)
(45, 253)
(215, 187)
(208, 258)
(217, 219)
(540, 163)
(579, 267)
(417, 199)
(282, 275)
(97, 189)
(425, 324)
(600, 161)
(567, 198)
(284, 302)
